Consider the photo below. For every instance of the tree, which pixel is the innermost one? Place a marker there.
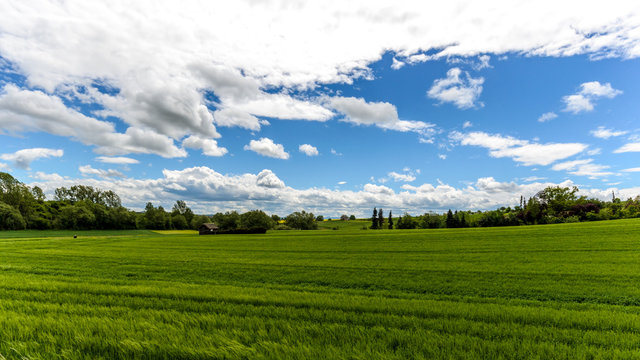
(10, 218)
(301, 220)
(199, 220)
(352, 217)
(406, 222)
(451, 220)
(319, 218)
(380, 219)
(390, 221)
(256, 220)
(227, 221)
(374, 219)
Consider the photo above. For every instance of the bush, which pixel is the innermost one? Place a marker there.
(406, 222)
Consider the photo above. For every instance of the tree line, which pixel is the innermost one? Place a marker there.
(81, 207)
(85, 207)
(552, 205)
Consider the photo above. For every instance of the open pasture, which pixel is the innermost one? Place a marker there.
(568, 291)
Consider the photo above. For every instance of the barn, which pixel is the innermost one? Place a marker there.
(208, 229)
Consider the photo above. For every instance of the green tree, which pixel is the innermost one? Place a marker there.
(390, 221)
(227, 221)
(319, 218)
(199, 220)
(301, 220)
(451, 221)
(256, 220)
(10, 218)
(380, 219)
(406, 221)
(352, 217)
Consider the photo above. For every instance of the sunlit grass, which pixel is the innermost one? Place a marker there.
(565, 291)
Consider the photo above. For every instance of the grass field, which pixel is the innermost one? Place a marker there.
(569, 291)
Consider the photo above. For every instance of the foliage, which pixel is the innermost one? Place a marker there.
(406, 221)
(301, 220)
(256, 220)
(10, 218)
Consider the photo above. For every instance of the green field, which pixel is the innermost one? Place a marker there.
(569, 291)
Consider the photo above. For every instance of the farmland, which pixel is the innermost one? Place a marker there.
(550, 291)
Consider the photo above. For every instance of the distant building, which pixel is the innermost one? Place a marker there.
(208, 229)
(344, 218)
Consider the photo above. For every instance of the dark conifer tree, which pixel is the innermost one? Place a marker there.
(450, 221)
(380, 219)
(390, 221)
(374, 219)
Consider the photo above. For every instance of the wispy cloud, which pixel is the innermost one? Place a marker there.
(458, 88)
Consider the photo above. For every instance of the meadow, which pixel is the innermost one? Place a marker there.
(566, 291)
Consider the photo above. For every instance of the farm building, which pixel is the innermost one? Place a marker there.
(208, 229)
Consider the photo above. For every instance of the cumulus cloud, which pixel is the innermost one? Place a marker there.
(604, 133)
(88, 170)
(23, 158)
(209, 146)
(589, 92)
(33, 110)
(463, 91)
(266, 147)
(309, 150)
(522, 151)
(266, 178)
(131, 68)
(117, 160)
(381, 114)
(547, 117)
(211, 191)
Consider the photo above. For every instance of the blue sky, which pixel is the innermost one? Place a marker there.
(330, 108)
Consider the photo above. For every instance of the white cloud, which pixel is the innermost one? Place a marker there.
(308, 149)
(547, 116)
(630, 147)
(381, 114)
(4, 166)
(533, 178)
(23, 158)
(266, 147)
(521, 151)
(26, 110)
(467, 124)
(341, 182)
(334, 152)
(461, 91)
(209, 146)
(117, 160)
(87, 170)
(158, 80)
(401, 177)
(266, 178)
(48, 177)
(584, 167)
(589, 92)
(210, 191)
(397, 64)
(635, 169)
(604, 133)
(442, 156)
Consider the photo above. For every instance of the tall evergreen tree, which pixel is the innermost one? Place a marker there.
(390, 221)
(450, 222)
(374, 219)
(380, 219)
